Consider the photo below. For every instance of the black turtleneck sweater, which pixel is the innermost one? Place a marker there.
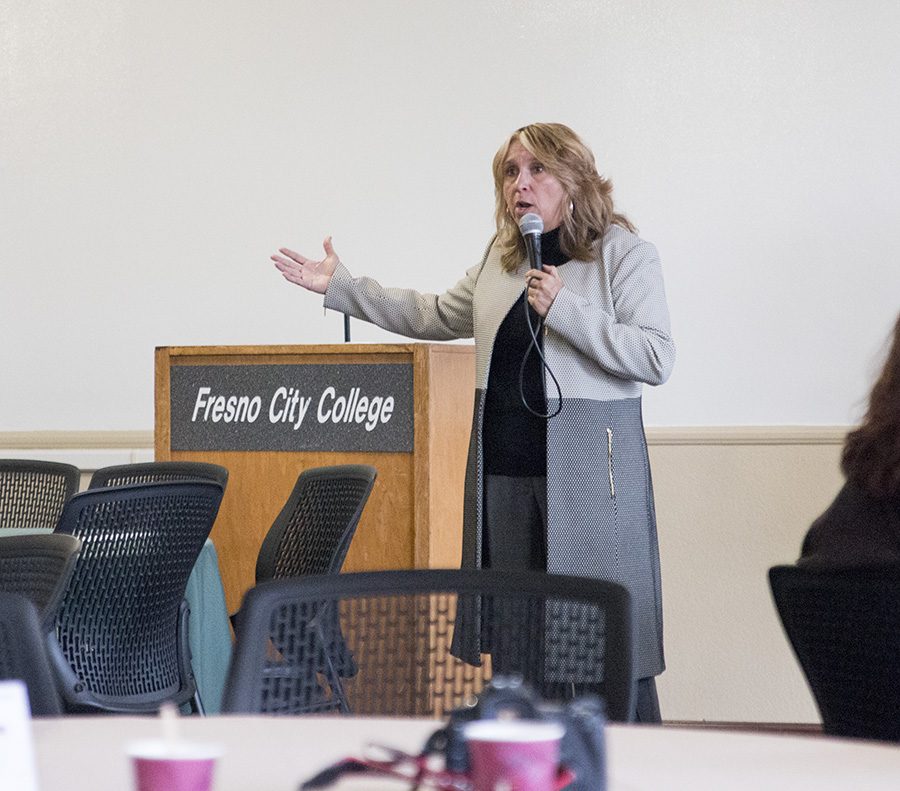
(514, 440)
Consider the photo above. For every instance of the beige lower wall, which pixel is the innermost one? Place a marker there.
(731, 502)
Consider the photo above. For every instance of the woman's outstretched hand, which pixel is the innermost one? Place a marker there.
(312, 275)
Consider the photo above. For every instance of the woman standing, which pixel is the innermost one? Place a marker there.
(569, 494)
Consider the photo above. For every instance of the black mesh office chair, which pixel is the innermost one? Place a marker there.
(313, 531)
(23, 655)
(38, 566)
(122, 626)
(389, 643)
(844, 626)
(33, 493)
(158, 471)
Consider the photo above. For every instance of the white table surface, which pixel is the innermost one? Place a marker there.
(275, 754)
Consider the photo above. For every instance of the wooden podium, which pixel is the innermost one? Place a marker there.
(413, 518)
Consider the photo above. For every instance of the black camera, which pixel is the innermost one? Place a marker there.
(582, 749)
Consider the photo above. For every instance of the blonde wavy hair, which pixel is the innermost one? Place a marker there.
(589, 194)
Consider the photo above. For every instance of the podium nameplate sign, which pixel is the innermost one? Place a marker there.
(292, 407)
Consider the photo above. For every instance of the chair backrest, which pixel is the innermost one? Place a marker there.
(38, 566)
(23, 654)
(33, 493)
(423, 642)
(156, 472)
(844, 626)
(121, 644)
(313, 532)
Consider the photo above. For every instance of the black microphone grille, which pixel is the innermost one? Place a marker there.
(531, 224)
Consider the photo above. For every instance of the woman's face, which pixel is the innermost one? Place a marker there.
(528, 187)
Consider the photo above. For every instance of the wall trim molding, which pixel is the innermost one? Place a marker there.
(676, 435)
(75, 440)
(747, 435)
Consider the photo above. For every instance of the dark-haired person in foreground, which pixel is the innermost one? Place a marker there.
(862, 526)
(570, 494)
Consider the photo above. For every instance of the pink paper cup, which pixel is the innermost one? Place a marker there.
(514, 755)
(178, 766)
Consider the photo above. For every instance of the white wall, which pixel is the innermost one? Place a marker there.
(152, 155)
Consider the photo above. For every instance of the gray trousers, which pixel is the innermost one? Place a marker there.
(515, 523)
(515, 538)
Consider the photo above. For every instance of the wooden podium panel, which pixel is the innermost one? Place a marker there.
(413, 518)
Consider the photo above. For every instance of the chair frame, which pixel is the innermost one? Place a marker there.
(76, 694)
(253, 647)
(269, 552)
(856, 678)
(67, 473)
(157, 472)
(30, 560)
(22, 641)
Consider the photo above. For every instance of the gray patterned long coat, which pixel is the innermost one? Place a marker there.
(607, 332)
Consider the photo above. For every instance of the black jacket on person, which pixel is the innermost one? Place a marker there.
(858, 529)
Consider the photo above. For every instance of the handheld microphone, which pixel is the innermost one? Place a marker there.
(531, 226)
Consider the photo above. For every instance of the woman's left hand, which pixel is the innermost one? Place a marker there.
(543, 286)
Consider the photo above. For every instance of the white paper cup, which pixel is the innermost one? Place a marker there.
(161, 765)
(520, 755)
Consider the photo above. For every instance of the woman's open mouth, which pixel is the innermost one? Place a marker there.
(523, 208)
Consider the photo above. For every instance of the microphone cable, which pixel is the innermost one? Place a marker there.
(535, 344)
